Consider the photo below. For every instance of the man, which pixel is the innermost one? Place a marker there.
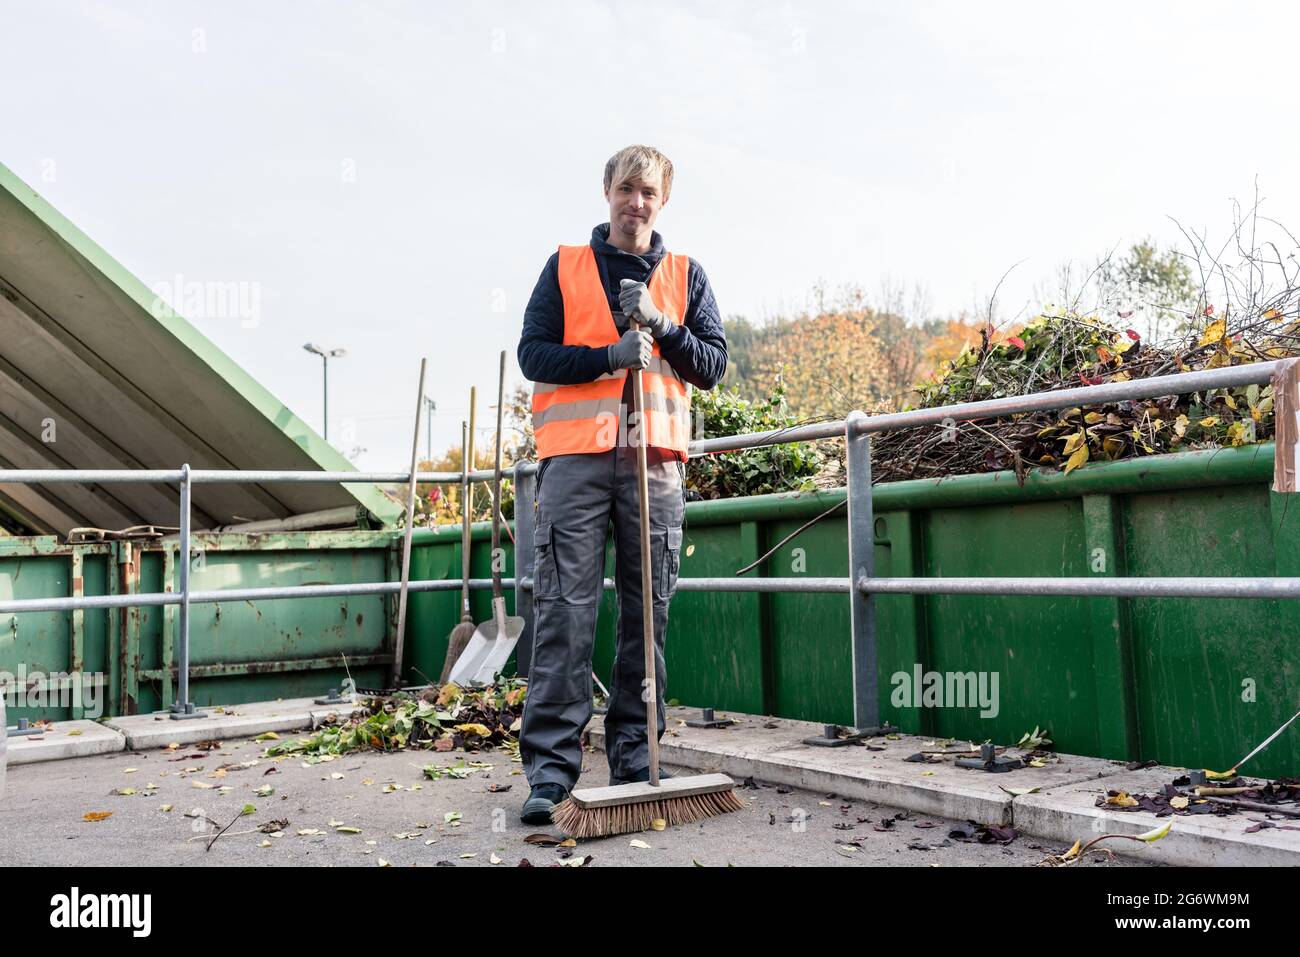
(577, 346)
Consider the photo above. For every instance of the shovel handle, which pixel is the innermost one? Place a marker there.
(496, 490)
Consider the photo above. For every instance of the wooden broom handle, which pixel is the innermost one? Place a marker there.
(649, 690)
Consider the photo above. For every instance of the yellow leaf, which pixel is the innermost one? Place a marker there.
(1077, 440)
(1209, 422)
(1078, 458)
(1092, 418)
(1070, 854)
(479, 729)
(1155, 834)
(1121, 799)
(1178, 802)
(1214, 333)
(1220, 775)
(93, 816)
(568, 842)
(658, 824)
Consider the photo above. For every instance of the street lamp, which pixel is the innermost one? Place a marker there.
(326, 355)
(432, 407)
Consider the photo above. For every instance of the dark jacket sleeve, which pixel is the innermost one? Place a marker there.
(697, 348)
(542, 354)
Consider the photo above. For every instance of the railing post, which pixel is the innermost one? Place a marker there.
(525, 554)
(862, 610)
(183, 707)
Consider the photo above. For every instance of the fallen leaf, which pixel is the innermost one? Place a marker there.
(1156, 833)
(93, 816)
(641, 844)
(493, 859)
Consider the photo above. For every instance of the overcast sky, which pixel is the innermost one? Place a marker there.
(390, 178)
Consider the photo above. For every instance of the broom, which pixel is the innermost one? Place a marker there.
(463, 632)
(622, 808)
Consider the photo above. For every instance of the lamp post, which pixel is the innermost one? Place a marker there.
(326, 355)
(431, 407)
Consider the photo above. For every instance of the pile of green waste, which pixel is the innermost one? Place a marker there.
(449, 718)
(1065, 351)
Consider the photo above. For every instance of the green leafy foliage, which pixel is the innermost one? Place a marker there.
(776, 468)
(445, 719)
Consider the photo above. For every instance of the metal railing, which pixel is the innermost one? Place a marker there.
(861, 586)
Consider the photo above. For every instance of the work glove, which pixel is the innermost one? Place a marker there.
(632, 351)
(634, 297)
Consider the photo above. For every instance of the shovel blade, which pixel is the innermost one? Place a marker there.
(499, 648)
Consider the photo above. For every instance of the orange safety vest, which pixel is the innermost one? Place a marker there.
(586, 417)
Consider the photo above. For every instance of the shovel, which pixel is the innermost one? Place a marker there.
(494, 640)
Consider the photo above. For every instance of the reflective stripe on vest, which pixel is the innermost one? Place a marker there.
(587, 417)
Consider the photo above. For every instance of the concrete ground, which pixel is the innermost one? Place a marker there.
(405, 819)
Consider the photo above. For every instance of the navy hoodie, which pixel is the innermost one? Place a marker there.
(696, 349)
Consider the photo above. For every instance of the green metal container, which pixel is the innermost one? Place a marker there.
(1194, 682)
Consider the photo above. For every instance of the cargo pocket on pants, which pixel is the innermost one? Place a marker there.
(672, 562)
(546, 578)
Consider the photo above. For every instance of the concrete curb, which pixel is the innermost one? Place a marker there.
(144, 732)
(65, 739)
(1061, 811)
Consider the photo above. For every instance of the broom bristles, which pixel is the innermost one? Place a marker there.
(640, 814)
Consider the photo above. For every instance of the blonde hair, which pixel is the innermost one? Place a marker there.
(635, 162)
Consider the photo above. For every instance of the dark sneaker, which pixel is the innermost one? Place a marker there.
(540, 803)
(638, 777)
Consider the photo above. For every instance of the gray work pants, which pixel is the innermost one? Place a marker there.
(578, 498)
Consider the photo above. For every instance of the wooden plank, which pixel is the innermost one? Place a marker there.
(645, 791)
